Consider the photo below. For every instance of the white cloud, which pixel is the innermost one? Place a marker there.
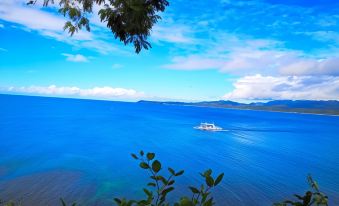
(260, 87)
(235, 55)
(48, 24)
(323, 36)
(108, 93)
(101, 46)
(194, 62)
(32, 18)
(3, 50)
(75, 57)
(12, 11)
(224, 46)
(305, 66)
(117, 66)
(246, 56)
(173, 34)
(2, 26)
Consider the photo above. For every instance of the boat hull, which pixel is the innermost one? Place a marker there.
(208, 129)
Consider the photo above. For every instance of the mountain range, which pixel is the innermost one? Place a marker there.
(330, 107)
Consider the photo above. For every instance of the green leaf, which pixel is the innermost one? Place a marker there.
(28, 3)
(171, 171)
(164, 180)
(218, 180)
(194, 190)
(159, 177)
(147, 192)
(164, 192)
(171, 182)
(151, 184)
(62, 202)
(209, 181)
(162, 200)
(143, 202)
(150, 156)
(209, 202)
(208, 172)
(134, 156)
(144, 165)
(204, 197)
(202, 187)
(156, 166)
(180, 173)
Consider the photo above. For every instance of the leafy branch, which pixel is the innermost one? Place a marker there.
(201, 196)
(313, 197)
(160, 185)
(130, 21)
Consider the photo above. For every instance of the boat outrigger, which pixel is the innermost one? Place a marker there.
(208, 127)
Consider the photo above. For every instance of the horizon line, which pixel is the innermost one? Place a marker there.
(162, 101)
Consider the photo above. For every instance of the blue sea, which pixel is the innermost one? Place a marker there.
(80, 150)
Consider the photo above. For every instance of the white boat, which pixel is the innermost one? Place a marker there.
(208, 127)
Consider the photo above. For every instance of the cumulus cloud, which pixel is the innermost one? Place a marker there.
(258, 87)
(75, 57)
(108, 93)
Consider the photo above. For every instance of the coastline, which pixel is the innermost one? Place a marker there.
(262, 110)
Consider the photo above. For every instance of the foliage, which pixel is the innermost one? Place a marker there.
(130, 21)
(162, 186)
(314, 197)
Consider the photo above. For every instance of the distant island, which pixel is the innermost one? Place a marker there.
(330, 107)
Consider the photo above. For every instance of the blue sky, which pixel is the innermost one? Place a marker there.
(249, 50)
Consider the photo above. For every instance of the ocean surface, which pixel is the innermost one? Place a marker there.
(80, 150)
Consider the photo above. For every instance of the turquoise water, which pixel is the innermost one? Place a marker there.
(80, 150)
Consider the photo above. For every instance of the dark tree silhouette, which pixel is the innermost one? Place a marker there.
(130, 21)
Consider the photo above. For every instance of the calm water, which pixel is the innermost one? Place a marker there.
(80, 150)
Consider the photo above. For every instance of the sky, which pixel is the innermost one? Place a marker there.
(240, 50)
